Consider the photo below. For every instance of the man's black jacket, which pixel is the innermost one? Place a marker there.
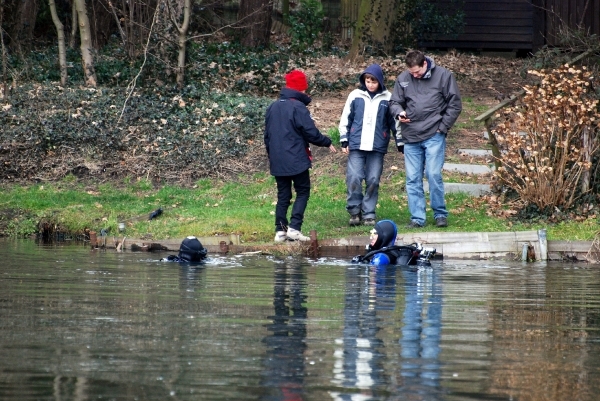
(289, 129)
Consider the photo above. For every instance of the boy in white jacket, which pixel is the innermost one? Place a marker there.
(365, 128)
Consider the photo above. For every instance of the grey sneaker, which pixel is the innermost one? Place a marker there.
(441, 222)
(354, 220)
(369, 222)
(413, 224)
(295, 235)
(280, 236)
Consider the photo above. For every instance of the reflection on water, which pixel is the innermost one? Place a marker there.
(77, 324)
(286, 343)
(360, 363)
(420, 341)
(359, 359)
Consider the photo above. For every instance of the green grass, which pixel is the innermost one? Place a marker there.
(471, 110)
(244, 206)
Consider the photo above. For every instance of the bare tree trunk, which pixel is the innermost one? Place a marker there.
(181, 38)
(20, 23)
(285, 10)
(255, 18)
(348, 16)
(373, 24)
(133, 18)
(4, 62)
(587, 146)
(86, 44)
(121, 31)
(182, 41)
(361, 27)
(381, 19)
(74, 24)
(62, 52)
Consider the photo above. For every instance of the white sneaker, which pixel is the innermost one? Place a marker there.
(280, 236)
(295, 235)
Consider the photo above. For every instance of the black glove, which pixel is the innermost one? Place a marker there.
(400, 148)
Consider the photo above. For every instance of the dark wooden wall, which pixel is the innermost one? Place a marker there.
(573, 13)
(491, 24)
(518, 24)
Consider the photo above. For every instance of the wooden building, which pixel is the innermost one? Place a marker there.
(521, 25)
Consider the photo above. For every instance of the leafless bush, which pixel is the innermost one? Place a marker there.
(549, 138)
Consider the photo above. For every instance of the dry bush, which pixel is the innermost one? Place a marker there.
(549, 138)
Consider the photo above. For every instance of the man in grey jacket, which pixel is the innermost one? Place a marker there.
(426, 101)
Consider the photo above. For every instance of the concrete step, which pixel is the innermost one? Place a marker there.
(468, 168)
(475, 152)
(454, 187)
(477, 169)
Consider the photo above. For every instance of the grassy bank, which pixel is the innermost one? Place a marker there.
(244, 206)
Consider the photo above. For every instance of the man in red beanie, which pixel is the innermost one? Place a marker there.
(289, 131)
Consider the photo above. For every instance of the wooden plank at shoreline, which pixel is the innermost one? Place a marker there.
(449, 245)
(346, 241)
(573, 251)
(440, 238)
(458, 237)
(452, 245)
(139, 244)
(570, 246)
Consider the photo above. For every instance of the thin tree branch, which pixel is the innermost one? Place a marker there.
(131, 86)
(121, 31)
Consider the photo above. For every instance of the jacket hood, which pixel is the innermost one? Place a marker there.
(288, 93)
(377, 72)
(386, 234)
(430, 66)
(191, 250)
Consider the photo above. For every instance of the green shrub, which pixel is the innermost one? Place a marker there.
(162, 134)
(421, 20)
(306, 24)
(334, 134)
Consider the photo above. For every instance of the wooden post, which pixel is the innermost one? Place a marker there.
(493, 141)
(543, 238)
(93, 239)
(487, 116)
(314, 245)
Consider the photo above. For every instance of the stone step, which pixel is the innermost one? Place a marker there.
(468, 168)
(475, 152)
(454, 187)
(471, 189)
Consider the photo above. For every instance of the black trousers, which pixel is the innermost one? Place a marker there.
(301, 183)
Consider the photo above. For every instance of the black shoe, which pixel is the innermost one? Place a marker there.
(441, 222)
(369, 222)
(413, 224)
(354, 220)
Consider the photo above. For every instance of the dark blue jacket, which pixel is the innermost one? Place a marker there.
(289, 129)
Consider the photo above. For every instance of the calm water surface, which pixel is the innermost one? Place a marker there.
(77, 324)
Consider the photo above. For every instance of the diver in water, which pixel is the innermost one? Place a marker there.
(383, 249)
(190, 251)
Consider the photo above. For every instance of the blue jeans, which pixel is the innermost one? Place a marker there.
(427, 156)
(363, 166)
(421, 330)
(301, 184)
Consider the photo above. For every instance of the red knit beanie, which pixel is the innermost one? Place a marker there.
(296, 79)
